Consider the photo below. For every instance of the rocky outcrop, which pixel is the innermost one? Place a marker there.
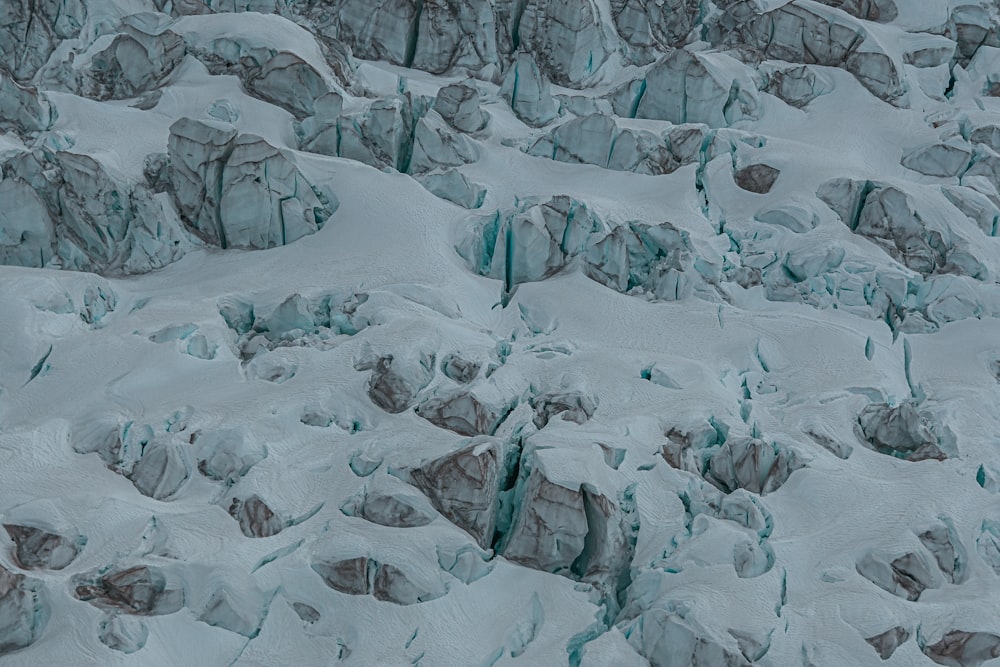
(238, 191)
(757, 178)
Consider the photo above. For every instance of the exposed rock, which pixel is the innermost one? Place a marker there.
(906, 576)
(527, 90)
(256, 519)
(758, 178)
(141, 590)
(887, 642)
(38, 549)
(463, 486)
(960, 648)
(239, 191)
(24, 611)
(903, 432)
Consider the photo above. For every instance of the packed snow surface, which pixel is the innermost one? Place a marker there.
(500, 332)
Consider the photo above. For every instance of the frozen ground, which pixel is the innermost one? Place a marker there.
(499, 333)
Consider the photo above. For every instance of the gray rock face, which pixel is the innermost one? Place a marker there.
(903, 432)
(138, 60)
(141, 590)
(256, 519)
(885, 644)
(463, 486)
(649, 28)
(38, 549)
(239, 191)
(24, 611)
(527, 91)
(960, 648)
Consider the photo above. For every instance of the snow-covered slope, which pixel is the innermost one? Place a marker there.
(499, 332)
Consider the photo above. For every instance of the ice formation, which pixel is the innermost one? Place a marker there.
(496, 332)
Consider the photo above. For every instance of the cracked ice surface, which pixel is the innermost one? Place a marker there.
(492, 332)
